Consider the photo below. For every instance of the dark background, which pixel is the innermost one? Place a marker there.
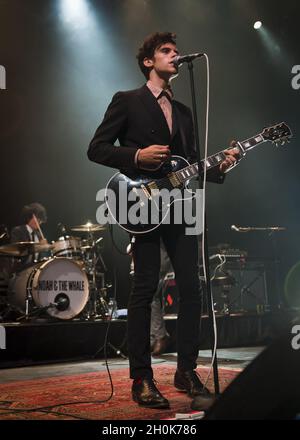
(64, 60)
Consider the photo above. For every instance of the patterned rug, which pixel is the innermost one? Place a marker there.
(96, 387)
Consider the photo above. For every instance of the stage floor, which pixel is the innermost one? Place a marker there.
(233, 358)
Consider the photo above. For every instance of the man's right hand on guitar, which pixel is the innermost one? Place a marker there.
(153, 155)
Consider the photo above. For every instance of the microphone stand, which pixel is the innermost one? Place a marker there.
(205, 233)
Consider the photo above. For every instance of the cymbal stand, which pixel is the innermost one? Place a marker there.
(28, 298)
(226, 310)
(97, 294)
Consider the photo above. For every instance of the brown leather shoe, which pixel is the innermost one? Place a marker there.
(160, 345)
(145, 393)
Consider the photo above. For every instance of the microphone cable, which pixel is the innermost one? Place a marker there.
(203, 214)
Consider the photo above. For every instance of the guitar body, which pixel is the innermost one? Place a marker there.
(155, 208)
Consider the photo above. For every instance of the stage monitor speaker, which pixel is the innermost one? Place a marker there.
(269, 388)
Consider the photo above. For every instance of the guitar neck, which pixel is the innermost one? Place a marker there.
(213, 161)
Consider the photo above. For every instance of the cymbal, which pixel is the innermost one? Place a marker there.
(23, 248)
(19, 249)
(88, 227)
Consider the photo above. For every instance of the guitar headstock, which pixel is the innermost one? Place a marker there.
(278, 134)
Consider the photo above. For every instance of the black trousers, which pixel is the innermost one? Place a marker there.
(183, 253)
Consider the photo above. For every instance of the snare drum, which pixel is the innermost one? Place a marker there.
(58, 284)
(69, 247)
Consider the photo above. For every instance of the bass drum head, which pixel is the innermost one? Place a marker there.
(61, 282)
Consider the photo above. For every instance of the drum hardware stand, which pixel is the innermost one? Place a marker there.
(35, 311)
(98, 295)
(98, 301)
(27, 302)
(28, 299)
(226, 304)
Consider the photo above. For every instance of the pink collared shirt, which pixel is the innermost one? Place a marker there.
(163, 101)
(165, 105)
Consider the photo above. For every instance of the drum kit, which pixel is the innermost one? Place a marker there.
(69, 283)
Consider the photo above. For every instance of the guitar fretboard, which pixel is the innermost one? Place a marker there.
(192, 170)
(278, 133)
(212, 161)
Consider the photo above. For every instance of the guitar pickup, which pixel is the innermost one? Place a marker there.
(175, 182)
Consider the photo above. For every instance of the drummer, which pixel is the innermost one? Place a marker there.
(32, 217)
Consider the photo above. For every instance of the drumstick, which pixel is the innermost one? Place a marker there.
(39, 228)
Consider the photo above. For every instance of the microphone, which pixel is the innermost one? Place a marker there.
(177, 61)
(61, 302)
(256, 229)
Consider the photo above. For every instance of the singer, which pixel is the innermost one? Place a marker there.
(150, 126)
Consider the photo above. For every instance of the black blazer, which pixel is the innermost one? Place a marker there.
(136, 120)
(20, 233)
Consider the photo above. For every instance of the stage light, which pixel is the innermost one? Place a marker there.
(257, 25)
(75, 13)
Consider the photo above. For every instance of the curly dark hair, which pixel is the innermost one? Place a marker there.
(34, 208)
(150, 44)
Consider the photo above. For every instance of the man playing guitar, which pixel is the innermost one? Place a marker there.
(149, 123)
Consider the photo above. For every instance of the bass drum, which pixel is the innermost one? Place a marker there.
(58, 284)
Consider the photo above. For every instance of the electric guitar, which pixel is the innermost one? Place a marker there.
(140, 203)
